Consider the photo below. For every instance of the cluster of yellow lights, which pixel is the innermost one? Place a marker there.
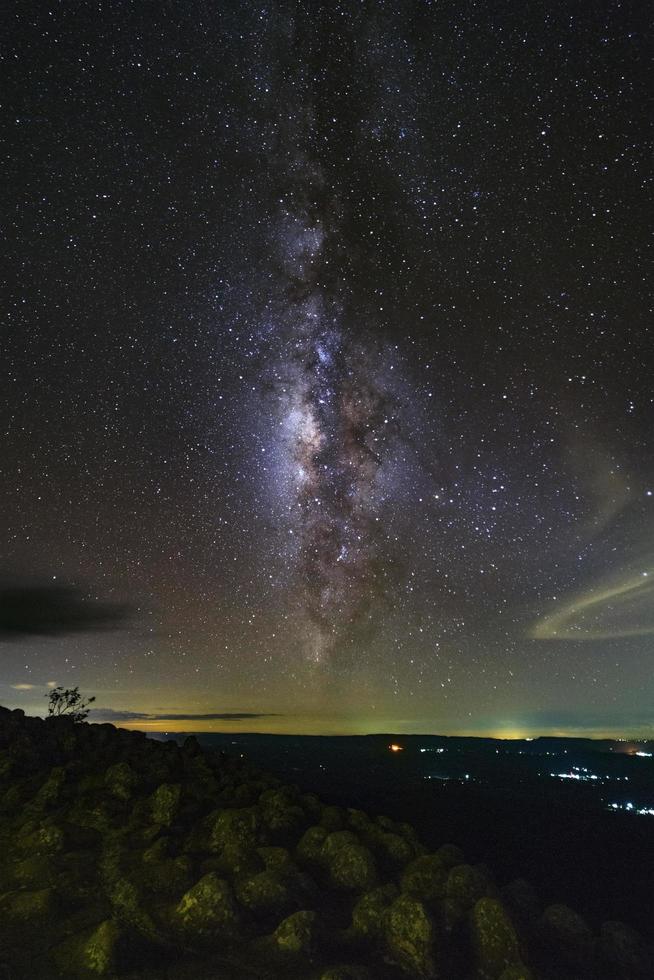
(396, 748)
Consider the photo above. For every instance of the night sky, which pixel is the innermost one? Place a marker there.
(326, 365)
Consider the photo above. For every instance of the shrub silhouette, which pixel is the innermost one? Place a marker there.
(69, 702)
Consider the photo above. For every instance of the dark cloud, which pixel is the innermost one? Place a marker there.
(109, 714)
(53, 610)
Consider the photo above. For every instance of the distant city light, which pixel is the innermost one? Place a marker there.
(646, 755)
(396, 748)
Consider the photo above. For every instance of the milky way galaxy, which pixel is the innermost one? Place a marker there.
(328, 359)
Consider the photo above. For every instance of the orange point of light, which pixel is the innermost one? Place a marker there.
(396, 748)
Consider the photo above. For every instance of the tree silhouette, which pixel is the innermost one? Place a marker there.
(68, 702)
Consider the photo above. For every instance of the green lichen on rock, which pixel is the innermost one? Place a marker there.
(121, 781)
(369, 912)
(207, 909)
(27, 906)
(130, 909)
(236, 827)
(280, 812)
(622, 949)
(266, 893)
(465, 885)
(47, 838)
(350, 865)
(165, 803)
(309, 846)
(516, 973)
(99, 954)
(565, 930)
(296, 934)
(410, 935)
(494, 941)
(425, 878)
(50, 792)
(275, 857)
(346, 972)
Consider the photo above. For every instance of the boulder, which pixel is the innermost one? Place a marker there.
(566, 934)
(409, 934)
(98, 952)
(494, 941)
(207, 910)
(28, 906)
(310, 844)
(465, 885)
(622, 951)
(425, 878)
(350, 865)
(239, 826)
(49, 795)
(165, 803)
(297, 933)
(121, 781)
(267, 893)
(275, 857)
(281, 814)
(346, 971)
(369, 913)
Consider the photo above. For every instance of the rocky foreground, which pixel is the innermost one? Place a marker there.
(125, 857)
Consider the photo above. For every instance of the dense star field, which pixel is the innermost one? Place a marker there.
(326, 398)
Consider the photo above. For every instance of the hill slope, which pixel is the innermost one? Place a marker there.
(126, 857)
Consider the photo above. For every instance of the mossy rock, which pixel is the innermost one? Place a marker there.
(280, 813)
(465, 885)
(121, 781)
(622, 950)
(425, 878)
(49, 795)
(76, 878)
(158, 851)
(165, 803)
(566, 932)
(36, 871)
(169, 877)
(520, 972)
(350, 865)
(97, 952)
(45, 838)
(394, 847)
(346, 972)
(493, 939)
(409, 932)
(236, 827)
(207, 909)
(297, 933)
(309, 846)
(28, 906)
(129, 908)
(275, 858)
(369, 912)
(358, 821)
(266, 893)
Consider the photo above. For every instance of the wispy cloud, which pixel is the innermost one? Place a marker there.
(110, 714)
(23, 687)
